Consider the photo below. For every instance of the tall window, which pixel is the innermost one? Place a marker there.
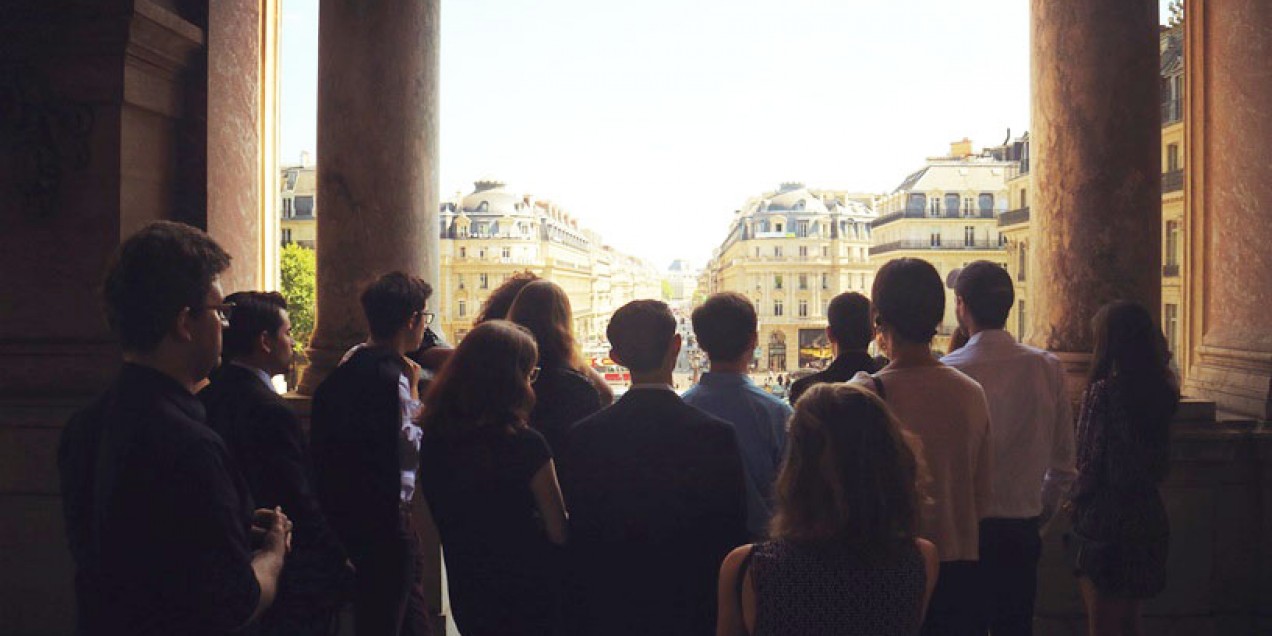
(483, 280)
(825, 251)
(777, 281)
(986, 202)
(777, 308)
(934, 239)
(507, 252)
(825, 281)
(1172, 243)
(459, 281)
(803, 309)
(1021, 322)
(1024, 262)
(969, 236)
(287, 234)
(916, 202)
(803, 281)
(803, 251)
(935, 207)
(801, 229)
(1170, 322)
(777, 251)
(951, 204)
(1024, 197)
(463, 252)
(463, 308)
(1172, 157)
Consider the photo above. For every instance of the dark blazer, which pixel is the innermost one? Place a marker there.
(657, 498)
(265, 438)
(355, 425)
(845, 366)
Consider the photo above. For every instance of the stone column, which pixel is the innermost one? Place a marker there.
(377, 160)
(1228, 197)
(1096, 175)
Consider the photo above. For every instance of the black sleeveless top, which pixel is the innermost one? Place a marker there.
(811, 589)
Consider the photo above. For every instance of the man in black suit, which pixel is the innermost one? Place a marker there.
(850, 331)
(656, 494)
(265, 438)
(158, 518)
(365, 444)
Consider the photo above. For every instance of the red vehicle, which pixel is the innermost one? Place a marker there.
(612, 372)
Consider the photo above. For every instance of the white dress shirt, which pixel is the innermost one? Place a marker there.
(409, 435)
(1032, 434)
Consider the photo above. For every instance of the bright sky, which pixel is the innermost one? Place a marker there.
(653, 121)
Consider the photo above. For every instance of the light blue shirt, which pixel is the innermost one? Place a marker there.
(760, 422)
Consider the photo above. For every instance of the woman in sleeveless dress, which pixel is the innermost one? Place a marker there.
(1119, 521)
(844, 557)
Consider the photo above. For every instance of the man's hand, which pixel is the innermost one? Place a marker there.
(413, 376)
(272, 530)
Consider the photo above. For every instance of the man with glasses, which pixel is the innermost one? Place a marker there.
(365, 446)
(158, 518)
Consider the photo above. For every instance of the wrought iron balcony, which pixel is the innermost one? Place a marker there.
(927, 214)
(1013, 217)
(1172, 181)
(919, 244)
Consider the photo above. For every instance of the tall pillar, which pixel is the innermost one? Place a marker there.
(1096, 147)
(377, 160)
(1228, 202)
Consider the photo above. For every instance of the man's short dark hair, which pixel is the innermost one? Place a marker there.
(639, 333)
(987, 293)
(254, 313)
(848, 317)
(724, 325)
(153, 275)
(391, 300)
(910, 298)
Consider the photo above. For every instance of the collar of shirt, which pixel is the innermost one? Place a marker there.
(652, 386)
(722, 378)
(850, 358)
(990, 336)
(269, 382)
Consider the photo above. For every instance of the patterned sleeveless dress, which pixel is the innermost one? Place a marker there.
(815, 589)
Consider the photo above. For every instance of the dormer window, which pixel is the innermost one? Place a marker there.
(484, 206)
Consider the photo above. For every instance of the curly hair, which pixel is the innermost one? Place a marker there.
(850, 474)
(484, 384)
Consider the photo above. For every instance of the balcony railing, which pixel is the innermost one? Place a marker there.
(1170, 270)
(1172, 111)
(1172, 181)
(927, 214)
(1013, 217)
(981, 245)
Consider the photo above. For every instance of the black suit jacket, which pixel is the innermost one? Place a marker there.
(657, 498)
(355, 425)
(265, 438)
(842, 369)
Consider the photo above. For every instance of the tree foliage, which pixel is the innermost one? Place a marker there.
(297, 272)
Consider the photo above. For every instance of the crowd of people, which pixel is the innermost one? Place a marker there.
(901, 494)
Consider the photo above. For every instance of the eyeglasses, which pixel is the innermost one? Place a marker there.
(534, 374)
(223, 312)
(427, 316)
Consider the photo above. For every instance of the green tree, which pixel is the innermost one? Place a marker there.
(297, 271)
(666, 289)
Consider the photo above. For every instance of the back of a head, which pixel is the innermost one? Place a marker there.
(153, 275)
(987, 293)
(725, 325)
(850, 475)
(254, 313)
(640, 333)
(484, 383)
(500, 300)
(544, 309)
(848, 317)
(909, 297)
(391, 300)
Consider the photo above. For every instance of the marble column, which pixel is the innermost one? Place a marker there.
(1228, 198)
(377, 160)
(1096, 146)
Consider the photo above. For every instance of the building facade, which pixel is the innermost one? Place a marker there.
(1173, 234)
(297, 209)
(791, 251)
(492, 233)
(947, 214)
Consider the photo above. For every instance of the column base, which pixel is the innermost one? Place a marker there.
(1077, 372)
(1238, 381)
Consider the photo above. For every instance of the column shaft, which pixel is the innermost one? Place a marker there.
(1096, 145)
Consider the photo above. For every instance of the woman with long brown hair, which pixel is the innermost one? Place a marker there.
(844, 555)
(491, 485)
(1121, 534)
(565, 394)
